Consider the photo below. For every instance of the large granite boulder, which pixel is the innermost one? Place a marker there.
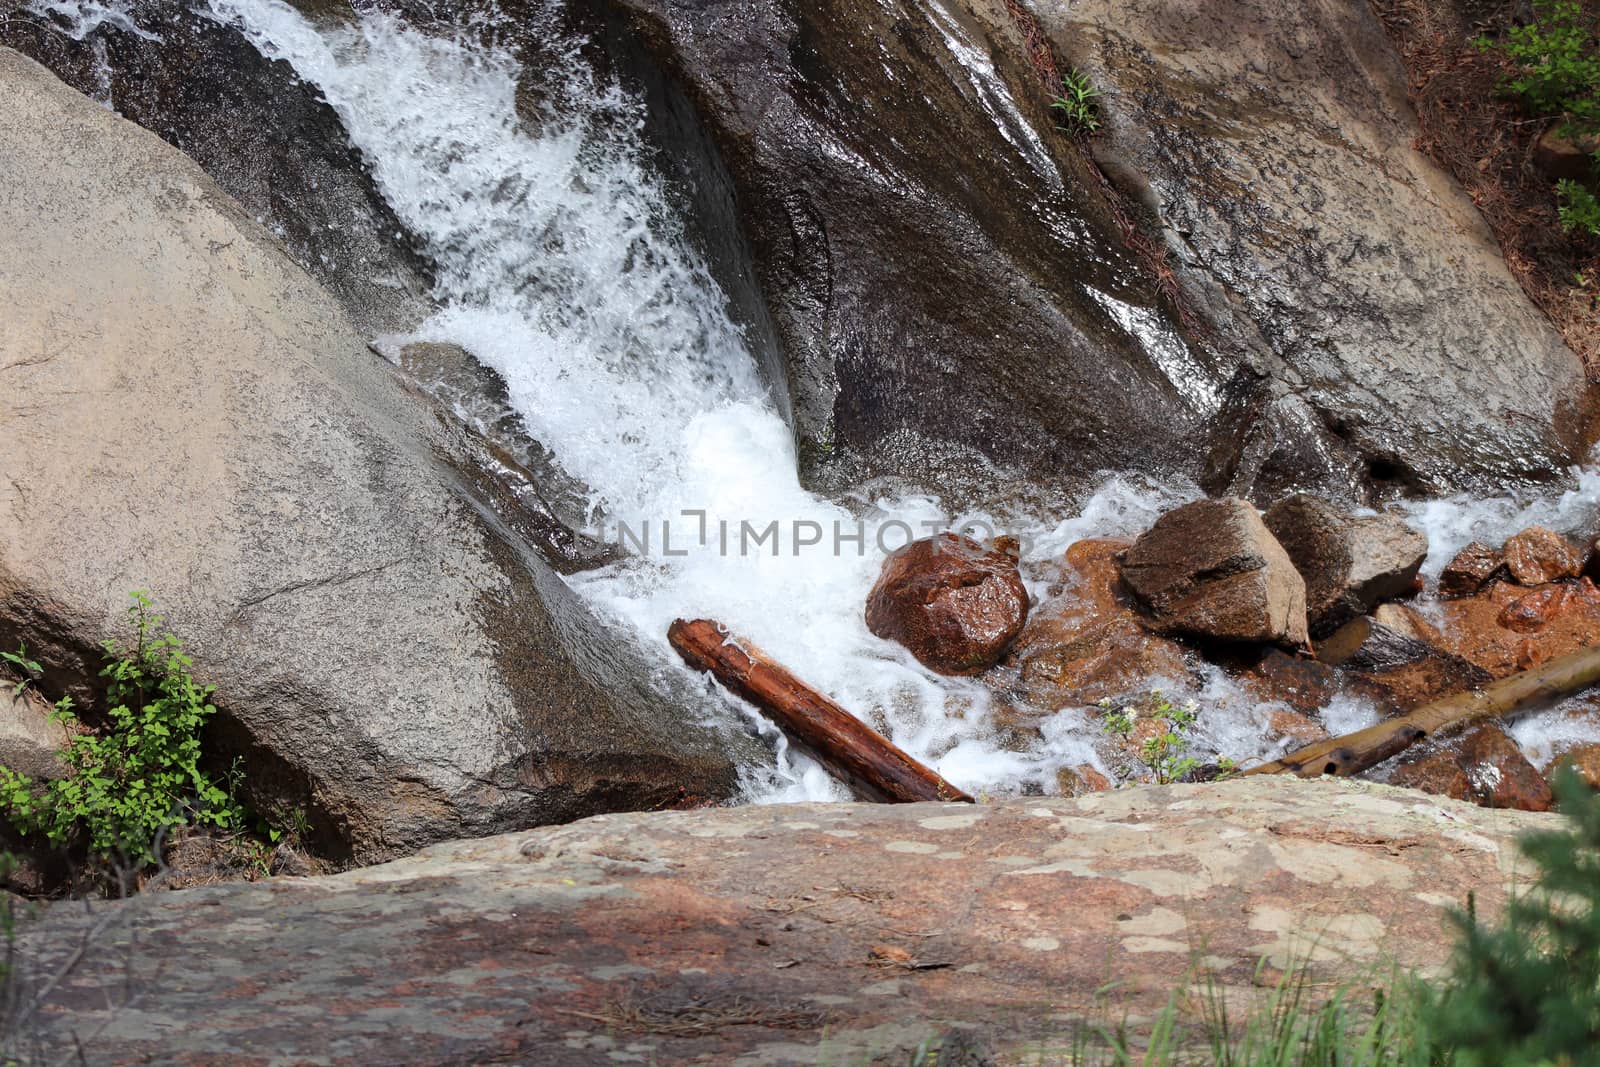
(1250, 275)
(1276, 146)
(700, 937)
(264, 136)
(188, 413)
(1350, 563)
(1212, 570)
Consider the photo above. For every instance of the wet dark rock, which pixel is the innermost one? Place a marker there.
(1500, 774)
(1086, 641)
(1350, 563)
(1484, 766)
(1398, 666)
(1538, 555)
(1303, 686)
(980, 305)
(1211, 569)
(954, 603)
(1276, 142)
(1471, 569)
(390, 652)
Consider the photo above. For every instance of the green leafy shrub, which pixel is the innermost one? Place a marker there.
(141, 775)
(1164, 749)
(1580, 209)
(1558, 65)
(1079, 103)
(1527, 991)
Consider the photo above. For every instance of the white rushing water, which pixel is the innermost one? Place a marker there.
(562, 266)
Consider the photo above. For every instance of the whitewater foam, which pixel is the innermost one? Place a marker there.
(562, 265)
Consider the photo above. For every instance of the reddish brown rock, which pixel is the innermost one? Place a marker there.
(1211, 569)
(1538, 555)
(1471, 569)
(1535, 610)
(1303, 685)
(1297, 729)
(1085, 642)
(1437, 771)
(1485, 767)
(1473, 627)
(1585, 759)
(1082, 779)
(1500, 774)
(1350, 563)
(953, 603)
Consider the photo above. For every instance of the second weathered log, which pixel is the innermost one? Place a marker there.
(1364, 749)
(866, 761)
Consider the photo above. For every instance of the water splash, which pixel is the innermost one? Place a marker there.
(562, 265)
(79, 19)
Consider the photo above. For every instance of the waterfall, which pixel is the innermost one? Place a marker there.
(562, 264)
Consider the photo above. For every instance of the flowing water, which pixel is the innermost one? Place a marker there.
(562, 265)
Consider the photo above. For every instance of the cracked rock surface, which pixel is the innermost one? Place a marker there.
(827, 933)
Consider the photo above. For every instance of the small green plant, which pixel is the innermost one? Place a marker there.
(1079, 103)
(140, 776)
(1558, 65)
(1164, 747)
(19, 661)
(1579, 208)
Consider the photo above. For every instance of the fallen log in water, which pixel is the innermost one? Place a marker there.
(852, 751)
(1354, 753)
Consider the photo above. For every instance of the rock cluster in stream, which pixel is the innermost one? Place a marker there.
(1299, 608)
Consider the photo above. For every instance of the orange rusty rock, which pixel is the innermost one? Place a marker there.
(1473, 627)
(1585, 759)
(1086, 642)
(1538, 555)
(1534, 611)
(1295, 728)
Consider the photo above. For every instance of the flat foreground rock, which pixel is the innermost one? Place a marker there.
(773, 935)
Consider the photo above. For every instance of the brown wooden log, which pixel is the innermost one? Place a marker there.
(1354, 753)
(852, 751)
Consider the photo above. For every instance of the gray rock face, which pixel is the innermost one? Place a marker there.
(1274, 143)
(567, 946)
(945, 274)
(30, 740)
(191, 415)
(1211, 569)
(943, 266)
(1350, 564)
(257, 130)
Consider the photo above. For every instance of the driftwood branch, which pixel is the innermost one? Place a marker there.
(1354, 753)
(856, 754)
